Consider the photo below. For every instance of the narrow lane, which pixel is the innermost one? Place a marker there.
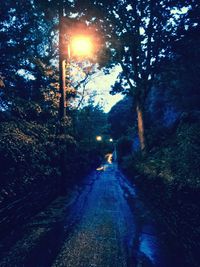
(113, 228)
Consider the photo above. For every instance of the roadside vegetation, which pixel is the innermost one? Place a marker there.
(169, 178)
(38, 163)
(155, 127)
(168, 172)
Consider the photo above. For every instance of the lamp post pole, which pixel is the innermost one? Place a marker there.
(62, 89)
(64, 81)
(62, 65)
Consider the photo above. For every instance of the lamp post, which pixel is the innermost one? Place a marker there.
(78, 45)
(62, 110)
(72, 41)
(99, 138)
(64, 71)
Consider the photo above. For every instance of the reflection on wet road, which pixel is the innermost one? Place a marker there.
(112, 229)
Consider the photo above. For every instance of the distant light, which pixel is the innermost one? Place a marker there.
(111, 140)
(99, 138)
(109, 158)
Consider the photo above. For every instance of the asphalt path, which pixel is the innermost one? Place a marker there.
(103, 222)
(111, 226)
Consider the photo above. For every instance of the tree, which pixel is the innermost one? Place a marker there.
(180, 72)
(138, 36)
(26, 53)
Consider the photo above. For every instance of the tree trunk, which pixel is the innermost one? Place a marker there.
(141, 133)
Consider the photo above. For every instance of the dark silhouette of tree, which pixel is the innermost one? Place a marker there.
(138, 35)
(26, 51)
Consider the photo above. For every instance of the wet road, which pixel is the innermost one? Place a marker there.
(112, 228)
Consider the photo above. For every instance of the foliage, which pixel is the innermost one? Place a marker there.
(90, 121)
(175, 158)
(24, 42)
(139, 36)
(36, 160)
(169, 176)
(24, 157)
(32, 152)
(157, 46)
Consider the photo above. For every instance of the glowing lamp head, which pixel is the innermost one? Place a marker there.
(82, 46)
(98, 138)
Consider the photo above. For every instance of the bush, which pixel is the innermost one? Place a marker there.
(169, 176)
(24, 156)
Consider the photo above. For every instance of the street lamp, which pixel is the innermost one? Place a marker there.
(80, 46)
(67, 33)
(99, 138)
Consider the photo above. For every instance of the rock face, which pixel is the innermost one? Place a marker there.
(120, 117)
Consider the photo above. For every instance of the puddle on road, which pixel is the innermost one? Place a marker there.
(149, 246)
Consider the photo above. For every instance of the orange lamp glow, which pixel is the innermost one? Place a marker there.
(82, 46)
(98, 138)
